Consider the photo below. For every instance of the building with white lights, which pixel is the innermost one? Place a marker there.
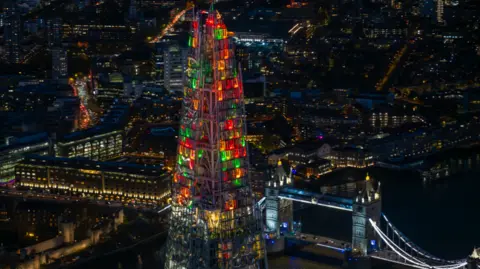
(98, 143)
(109, 181)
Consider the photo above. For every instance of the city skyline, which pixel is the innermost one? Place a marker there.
(239, 134)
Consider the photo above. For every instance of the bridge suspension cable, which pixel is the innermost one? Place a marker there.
(415, 247)
(407, 257)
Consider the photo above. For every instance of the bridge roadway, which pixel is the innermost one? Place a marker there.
(321, 241)
(325, 200)
(390, 256)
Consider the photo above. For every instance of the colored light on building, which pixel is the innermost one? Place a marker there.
(212, 131)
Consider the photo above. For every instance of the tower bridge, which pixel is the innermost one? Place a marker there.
(369, 241)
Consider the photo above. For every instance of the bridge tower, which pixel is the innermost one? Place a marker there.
(367, 205)
(473, 260)
(279, 212)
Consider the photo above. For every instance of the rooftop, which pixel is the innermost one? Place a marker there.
(97, 166)
(94, 131)
(36, 138)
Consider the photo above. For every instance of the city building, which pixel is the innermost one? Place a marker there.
(392, 117)
(109, 181)
(350, 157)
(64, 114)
(12, 31)
(169, 62)
(316, 169)
(91, 31)
(54, 32)
(439, 11)
(301, 153)
(14, 150)
(211, 184)
(175, 62)
(100, 143)
(59, 64)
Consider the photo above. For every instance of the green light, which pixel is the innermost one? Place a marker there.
(243, 141)
(179, 159)
(224, 156)
(219, 33)
(237, 163)
(237, 182)
(190, 204)
(189, 41)
(200, 153)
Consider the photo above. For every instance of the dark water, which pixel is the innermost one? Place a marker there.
(441, 216)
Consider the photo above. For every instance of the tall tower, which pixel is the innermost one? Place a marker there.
(278, 211)
(367, 205)
(214, 222)
(12, 31)
(59, 64)
(175, 59)
(54, 32)
(439, 11)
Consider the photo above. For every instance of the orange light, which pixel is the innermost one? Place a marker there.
(221, 65)
(222, 145)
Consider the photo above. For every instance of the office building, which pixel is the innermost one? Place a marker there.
(54, 32)
(59, 64)
(14, 150)
(97, 143)
(110, 181)
(175, 62)
(211, 188)
(13, 31)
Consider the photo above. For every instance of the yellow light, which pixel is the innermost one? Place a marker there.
(95, 172)
(367, 178)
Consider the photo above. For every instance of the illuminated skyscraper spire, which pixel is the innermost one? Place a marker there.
(214, 223)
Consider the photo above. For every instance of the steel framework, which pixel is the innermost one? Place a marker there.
(214, 222)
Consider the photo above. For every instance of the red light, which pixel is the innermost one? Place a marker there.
(209, 21)
(229, 124)
(191, 164)
(195, 25)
